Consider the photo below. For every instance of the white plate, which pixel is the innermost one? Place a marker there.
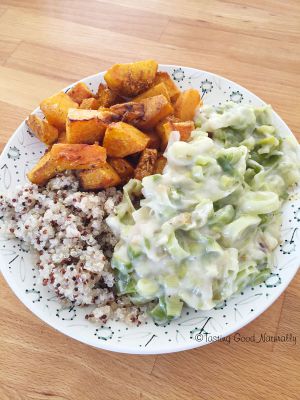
(22, 152)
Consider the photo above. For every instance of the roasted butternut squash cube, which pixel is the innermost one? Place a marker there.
(122, 139)
(131, 79)
(79, 92)
(42, 171)
(106, 96)
(159, 128)
(88, 126)
(156, 90)
(146, 164)
(154, 140)
(129, 112)
(84, 126)
(165, 136)
(184, 128)
(64, 157)
(42, 129)
(99, 178)
(186, 105)
(155, 109)
(55, 109)
(90, 104)
(77, 156)
(160, 165)
(123, 168)
(164, 77)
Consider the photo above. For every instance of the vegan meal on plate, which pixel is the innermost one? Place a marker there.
(147, 201)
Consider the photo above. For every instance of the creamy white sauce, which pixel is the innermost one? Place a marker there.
(206, 227)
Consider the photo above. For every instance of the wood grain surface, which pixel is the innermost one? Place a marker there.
(45, 45)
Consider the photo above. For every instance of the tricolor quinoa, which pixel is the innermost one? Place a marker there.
(67, 231)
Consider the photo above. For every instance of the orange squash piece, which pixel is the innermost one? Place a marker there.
(122, 139)
(186, 105)
(64, 157)
(156, 90)
(164, 77)
(47, 133)
(84, 126)
(129, 112)
(159, 128)
(99, 178)
(155, 109)
(106, 96)
(90, 104)
(123, 168)
(79, 92)
(42, 171)
(146, 164)
(77, 156)
(184, 128)
(131, 79)
(55, 109)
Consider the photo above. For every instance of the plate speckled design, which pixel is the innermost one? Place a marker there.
(17, 264)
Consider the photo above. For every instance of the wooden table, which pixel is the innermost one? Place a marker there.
(45, 45)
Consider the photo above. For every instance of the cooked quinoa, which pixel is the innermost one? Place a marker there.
(67, 231)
